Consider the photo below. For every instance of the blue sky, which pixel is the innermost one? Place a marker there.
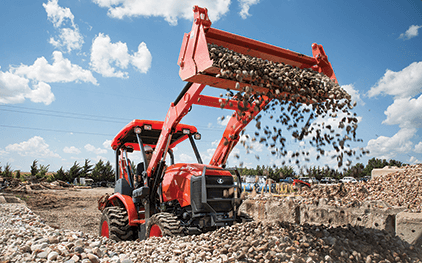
(73, 73)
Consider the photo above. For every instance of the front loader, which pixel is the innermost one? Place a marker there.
(185, 198)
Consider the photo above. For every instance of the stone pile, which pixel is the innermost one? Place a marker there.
(300, 99)
(302, 84)
(16, 185)
(401, 189)
(25, 238)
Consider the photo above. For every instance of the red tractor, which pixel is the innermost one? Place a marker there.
(181, 198)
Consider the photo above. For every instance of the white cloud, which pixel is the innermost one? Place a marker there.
(2, 152)
(70, 38)
(41, 93)
(254, 147)
(14, 89)
(410, 33)
(185, 158)
(170, 10)
(56, 14)
(405, 83)
(418, 148)
(91, 148)
(207, 155)
(104, 54)
(107, 144)
(245, 5)
(223, 120)
(62, 70)
(387, 147)
(142, 58)
(413, 159)
(72, 150)
(405, 112)
(35, 147)
(354, 93)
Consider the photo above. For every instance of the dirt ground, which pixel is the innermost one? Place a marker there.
(75, 209)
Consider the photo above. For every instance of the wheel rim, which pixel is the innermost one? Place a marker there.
(155, 231)
(104, 229)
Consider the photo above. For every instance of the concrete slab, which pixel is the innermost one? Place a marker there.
(371, 214)
(384, 171)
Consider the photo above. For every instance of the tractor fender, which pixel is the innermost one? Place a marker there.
(129, 205)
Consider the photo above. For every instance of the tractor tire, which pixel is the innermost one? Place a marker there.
(163, 224)
(115, 224)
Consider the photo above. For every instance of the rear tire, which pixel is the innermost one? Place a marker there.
(115, 224)
(163, 224)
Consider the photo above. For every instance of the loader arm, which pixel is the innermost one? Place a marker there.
(175, 114)
(231, 134)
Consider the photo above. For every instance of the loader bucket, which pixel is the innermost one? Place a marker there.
(199, 65)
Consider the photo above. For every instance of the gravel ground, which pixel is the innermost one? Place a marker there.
(27, 237)
(24, 237)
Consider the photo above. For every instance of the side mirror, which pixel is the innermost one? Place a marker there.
(197, 136)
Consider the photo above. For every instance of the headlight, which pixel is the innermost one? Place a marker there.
(137, 130)
(197, 136)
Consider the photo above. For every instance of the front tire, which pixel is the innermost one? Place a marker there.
(163, 224)
(115, 224)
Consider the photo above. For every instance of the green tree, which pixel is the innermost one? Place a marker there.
(7, 171)
(86, 169)
(395, 163)
(34, 168)
(379, 163)
(97, 171)
(74, 171)
(42, 171)
(62, 175)
(355, 171)
(18, 174)
(103, 172)
(286, 171)
(108, 172)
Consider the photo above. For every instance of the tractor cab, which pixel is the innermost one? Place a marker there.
(129, 146)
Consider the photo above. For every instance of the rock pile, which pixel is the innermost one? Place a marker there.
(304, 85)
(25, 238)
(401, 188)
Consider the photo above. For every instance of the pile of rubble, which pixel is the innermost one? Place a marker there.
(32, 184)
(25, 238)
(303, 84)
(402, 189)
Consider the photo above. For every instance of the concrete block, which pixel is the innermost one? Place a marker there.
(371, 214)
(409, 227)
(384, 171)
(365, 216)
